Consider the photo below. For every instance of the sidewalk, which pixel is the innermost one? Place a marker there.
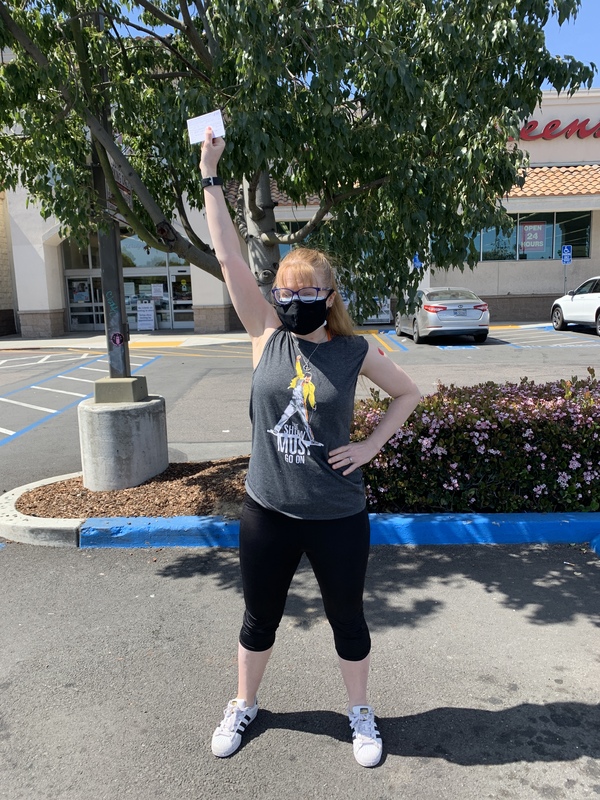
(169, 338)
(97, 341)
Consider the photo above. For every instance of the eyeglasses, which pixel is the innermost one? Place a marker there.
(308, 294)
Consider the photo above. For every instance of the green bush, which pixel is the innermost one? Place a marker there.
(489, 448)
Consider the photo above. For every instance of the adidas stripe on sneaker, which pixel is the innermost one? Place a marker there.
(366, 739)
(228, 735)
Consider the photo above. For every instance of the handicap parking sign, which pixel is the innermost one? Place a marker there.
(567, 253)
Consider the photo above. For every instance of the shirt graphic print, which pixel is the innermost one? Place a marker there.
(293, 431)
(301, 409)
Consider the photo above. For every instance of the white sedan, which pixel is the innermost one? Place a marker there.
(446, 311)
(581, 305)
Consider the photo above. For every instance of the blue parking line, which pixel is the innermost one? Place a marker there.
(393, 337)
(457, 347)
(33, 425)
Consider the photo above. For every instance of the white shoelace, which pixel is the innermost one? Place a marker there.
(364, 726)
(231, 720)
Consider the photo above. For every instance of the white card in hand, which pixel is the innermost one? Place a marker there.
(197, 126)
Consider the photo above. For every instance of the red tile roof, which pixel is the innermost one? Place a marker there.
(278, 196)
(559, 181)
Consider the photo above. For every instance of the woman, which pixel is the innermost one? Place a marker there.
(305, 492)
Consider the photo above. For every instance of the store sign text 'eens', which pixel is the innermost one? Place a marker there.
(555, 128)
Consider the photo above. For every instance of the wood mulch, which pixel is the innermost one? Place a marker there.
(194, 489)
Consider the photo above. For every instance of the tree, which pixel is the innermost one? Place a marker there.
(395, 114)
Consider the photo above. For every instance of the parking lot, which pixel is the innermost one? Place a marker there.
(205, 381)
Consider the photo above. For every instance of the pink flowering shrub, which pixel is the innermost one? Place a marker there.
(489, 448)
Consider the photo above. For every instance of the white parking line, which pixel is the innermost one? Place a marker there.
(93, 369)
(106, 361)
(5, 430)
(69, 378)
(58, 391)
(28, 405)
(11, 363)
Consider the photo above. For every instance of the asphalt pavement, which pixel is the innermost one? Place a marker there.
(115, 665)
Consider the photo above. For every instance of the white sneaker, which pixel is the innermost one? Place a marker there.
(366, 739)
(228, 735)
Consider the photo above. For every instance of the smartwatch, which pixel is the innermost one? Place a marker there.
(212, 182)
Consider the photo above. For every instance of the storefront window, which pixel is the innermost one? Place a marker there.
(136, 253)
(540, 235)
(535, 233)
(573, 227)
(73, 256)
(177, 261)
(497, 246)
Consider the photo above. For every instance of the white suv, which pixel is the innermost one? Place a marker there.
(581, 305)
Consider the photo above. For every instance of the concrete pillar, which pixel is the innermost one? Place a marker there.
(39, 279)
(122, 444)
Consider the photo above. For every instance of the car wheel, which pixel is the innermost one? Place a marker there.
(417, 338)
(398, 327)
(480, 337)
(558, 321)
(598, 323)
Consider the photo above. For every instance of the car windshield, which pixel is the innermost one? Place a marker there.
(451, 294)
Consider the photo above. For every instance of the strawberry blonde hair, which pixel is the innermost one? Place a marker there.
(313, 268)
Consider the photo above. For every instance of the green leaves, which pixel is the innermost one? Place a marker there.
(396, 114)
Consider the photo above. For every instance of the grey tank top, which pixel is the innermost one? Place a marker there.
(301, 407)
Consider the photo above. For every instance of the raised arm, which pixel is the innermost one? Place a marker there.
(253, 310)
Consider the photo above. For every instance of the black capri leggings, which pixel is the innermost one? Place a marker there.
(271, 546)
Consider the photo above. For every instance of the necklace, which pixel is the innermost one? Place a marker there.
(303, 359)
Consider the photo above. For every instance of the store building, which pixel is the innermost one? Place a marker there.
(519, 275)
(49, 287)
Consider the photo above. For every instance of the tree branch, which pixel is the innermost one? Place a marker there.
(213, 45)
(126, 212)
(173, 22)
(255, 211)
(168, 46)
(193, 36)
(168, 76)
(319, 216)
(240, 218)
(189, 231)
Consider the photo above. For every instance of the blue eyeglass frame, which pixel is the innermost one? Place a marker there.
(307, 301)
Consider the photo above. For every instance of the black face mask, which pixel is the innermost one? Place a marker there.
(302, 318)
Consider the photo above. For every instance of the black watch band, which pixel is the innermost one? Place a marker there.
(212, 182)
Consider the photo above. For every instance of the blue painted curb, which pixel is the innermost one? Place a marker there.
(159, 532)
(398, 529)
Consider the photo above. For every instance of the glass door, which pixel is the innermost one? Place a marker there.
(81, 306)
(146, 289)
(97, 302)
(181, 291)
(85, 303)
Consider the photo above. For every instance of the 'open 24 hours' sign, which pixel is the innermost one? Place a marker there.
(533, 237)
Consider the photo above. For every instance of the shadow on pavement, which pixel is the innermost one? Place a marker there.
(549, 584)
(465, 736)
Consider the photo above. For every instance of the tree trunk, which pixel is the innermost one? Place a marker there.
(260, 218)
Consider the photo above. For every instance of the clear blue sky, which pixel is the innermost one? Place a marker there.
(580, 38)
